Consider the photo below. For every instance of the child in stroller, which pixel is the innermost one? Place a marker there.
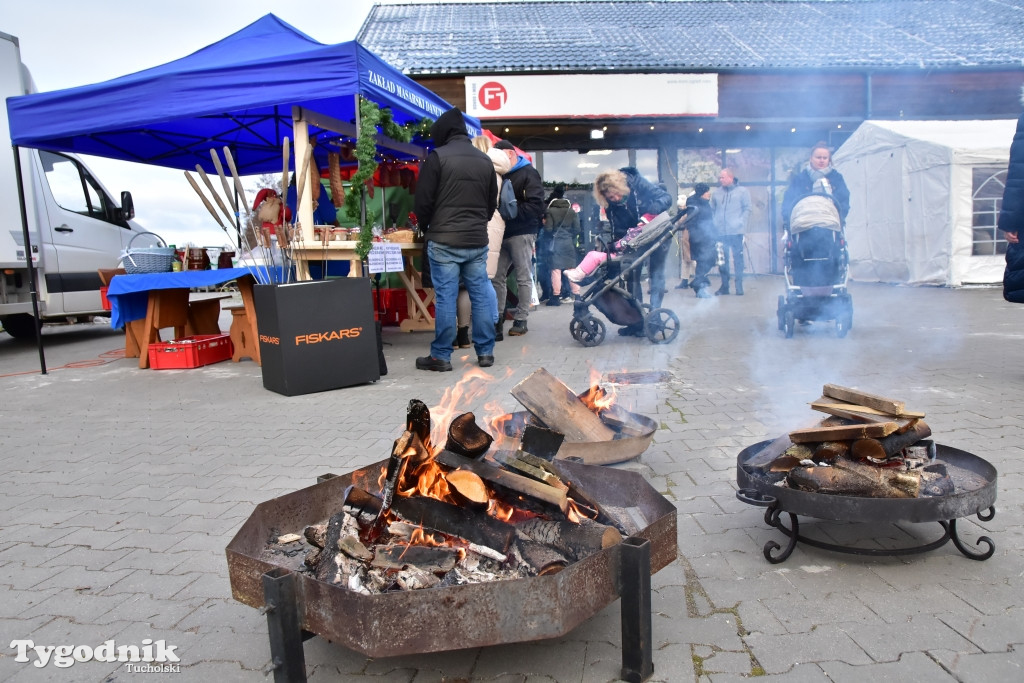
(815, 263)
(593, 259)
(609, 291)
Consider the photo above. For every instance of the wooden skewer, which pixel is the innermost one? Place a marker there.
(300, 184)
(234, 171)
(224, 181)
(284, 174)
(199, 191)
(209, 185)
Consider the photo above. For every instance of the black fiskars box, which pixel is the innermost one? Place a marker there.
(317, 335)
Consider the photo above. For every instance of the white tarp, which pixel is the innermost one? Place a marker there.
(911, 203)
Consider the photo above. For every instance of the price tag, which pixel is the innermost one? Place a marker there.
(385, 257)
(393, 262)
(376, 260)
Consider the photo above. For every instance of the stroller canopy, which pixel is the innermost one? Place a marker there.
(815, 211)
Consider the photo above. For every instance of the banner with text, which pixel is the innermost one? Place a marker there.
(592, 95)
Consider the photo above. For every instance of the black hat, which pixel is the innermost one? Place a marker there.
(504, 144)
(700, 189)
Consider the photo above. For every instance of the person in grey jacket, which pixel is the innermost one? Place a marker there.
(730, 206)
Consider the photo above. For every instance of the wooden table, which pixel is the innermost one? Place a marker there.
(146, 304)
(419, 320)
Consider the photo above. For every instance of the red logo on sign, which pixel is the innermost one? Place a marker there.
(492, 95)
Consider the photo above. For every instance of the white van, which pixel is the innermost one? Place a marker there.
(75, 227)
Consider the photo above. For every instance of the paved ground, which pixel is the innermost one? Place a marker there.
(122, 487)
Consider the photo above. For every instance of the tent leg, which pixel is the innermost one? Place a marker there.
(28, 258)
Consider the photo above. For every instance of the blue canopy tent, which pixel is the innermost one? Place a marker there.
(246, 92)
(239, 92)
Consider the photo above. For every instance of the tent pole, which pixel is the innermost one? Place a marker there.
(28, 258)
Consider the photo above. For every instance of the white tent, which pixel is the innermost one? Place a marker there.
(912, 209)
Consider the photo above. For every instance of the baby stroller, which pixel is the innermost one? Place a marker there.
(607, 289)
(815, 264)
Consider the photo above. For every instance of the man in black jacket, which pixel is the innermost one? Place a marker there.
(520, 235)
(455, 196)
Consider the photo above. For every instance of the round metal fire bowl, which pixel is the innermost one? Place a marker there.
(620, 449)
(757, 490)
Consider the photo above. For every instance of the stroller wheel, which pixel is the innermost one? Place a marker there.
(780, 313)
(588, 331)
(789, 324)
(843, 323)
(661, 326)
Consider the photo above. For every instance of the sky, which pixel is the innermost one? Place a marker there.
(67, 43)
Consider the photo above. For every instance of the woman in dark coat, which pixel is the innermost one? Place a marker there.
(801, 184)
(1011, 217)
(625, 196)
(701, 227)
(562, 224)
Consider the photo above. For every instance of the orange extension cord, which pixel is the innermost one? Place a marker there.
(104, 358)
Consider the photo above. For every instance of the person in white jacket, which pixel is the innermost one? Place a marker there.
(495, 234)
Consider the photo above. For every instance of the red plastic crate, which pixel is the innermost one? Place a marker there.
(103, 298)
(391, 306)
(190, 352)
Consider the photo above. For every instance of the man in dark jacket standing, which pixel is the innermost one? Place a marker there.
(520, 236)
(455, 197)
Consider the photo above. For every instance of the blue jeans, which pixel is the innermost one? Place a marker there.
(449, 265)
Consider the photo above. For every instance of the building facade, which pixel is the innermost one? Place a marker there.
(681, 89)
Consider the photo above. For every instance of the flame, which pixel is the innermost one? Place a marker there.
(598, 398)
(473, 387)
(577, 513)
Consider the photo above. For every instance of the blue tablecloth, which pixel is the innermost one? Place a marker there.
(129, 294)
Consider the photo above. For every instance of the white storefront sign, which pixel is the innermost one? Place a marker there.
(591, 95)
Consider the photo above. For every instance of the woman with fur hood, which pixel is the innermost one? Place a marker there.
(1011, 217)
(495, 233)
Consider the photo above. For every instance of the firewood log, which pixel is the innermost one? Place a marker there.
(417, 421)
(577, 541)
(316, 534)
(829, 451)
(840, 432)
(542, 559)
(887, 447)
(468, 489)
(881, 403)
(499, 477)
(396, 465)
(560, 409)
(467, 438)
(456, 521)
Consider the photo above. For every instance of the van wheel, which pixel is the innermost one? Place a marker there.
(20, 325)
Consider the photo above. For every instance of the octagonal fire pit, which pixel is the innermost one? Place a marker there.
(473, 615)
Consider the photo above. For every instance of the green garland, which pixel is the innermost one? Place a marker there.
(370, 117)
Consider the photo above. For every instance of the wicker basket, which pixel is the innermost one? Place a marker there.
(148, 259)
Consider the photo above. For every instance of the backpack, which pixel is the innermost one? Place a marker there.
(508, 205)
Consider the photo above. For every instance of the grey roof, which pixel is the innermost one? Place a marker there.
(665, 35)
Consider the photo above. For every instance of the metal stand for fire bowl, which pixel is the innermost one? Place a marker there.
(973, 494)
(288, 657)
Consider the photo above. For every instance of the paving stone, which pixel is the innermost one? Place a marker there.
(179, 498)
(911, 667)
